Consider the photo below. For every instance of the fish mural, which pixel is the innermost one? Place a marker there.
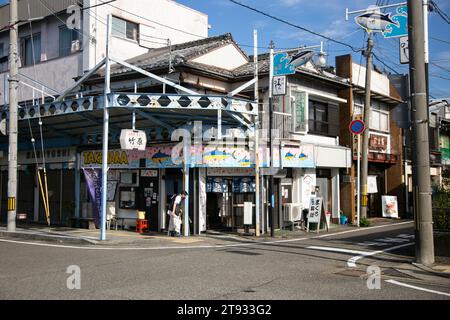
(289, 156)
(303, 156)
(216, 155)
(160, 158)
(301, 58)
(375, 21)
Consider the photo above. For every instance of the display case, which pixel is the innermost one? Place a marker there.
(127, 198)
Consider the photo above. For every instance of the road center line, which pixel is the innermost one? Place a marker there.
(417, 288)
(352, 261)
(204, 246)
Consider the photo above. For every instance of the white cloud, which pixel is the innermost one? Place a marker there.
(290, 3)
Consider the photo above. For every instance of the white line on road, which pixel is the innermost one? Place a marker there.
(352, 261)
(340, 250)
(204, 246)
(417, 288)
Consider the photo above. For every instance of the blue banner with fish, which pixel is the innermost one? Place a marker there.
(298, 157)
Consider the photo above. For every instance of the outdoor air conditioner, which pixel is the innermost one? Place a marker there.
(76, 46)
(292, 212)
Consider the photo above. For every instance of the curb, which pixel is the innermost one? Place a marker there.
(49, 238)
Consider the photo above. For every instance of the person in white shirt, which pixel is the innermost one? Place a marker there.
(175, 214)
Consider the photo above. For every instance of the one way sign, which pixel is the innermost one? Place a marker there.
(404, 50)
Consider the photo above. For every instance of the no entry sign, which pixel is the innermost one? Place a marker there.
(357, 127)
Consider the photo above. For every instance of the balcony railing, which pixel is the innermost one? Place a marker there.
(284, 123)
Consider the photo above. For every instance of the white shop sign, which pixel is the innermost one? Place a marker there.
(133, 140)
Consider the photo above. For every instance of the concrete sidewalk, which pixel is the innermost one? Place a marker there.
(70, 236)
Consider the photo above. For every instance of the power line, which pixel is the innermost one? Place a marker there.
(440, 67)
(440, 12)
(384, 64)
(440, 40)
(295, 26)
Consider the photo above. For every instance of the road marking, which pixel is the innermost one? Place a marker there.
(417, 288)
(352, 261)
(340, 250)
(203, 246)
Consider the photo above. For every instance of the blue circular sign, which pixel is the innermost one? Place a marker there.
(357, 127)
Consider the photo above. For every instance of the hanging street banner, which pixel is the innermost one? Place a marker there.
(94, 182)
(285, 64)
(390, 25)
(404, 50)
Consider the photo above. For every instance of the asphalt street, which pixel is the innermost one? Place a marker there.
(322, 267)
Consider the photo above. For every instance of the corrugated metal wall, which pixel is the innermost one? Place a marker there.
(37, 9)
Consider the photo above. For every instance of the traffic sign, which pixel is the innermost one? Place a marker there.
(357, 127)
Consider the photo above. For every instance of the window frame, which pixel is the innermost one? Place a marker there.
(72, 33)
(123, 34)
(23, 41)
(312, 122)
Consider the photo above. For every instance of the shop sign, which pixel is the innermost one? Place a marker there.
(301, 111)
(133, 140)
(390, 206)
(230, 172)
(298, 157)
(378, 143)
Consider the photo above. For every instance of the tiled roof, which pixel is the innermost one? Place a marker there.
(180, 53)
(183, 54)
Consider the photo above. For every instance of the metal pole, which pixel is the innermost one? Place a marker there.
(257, 186)
(106, 131)
(358, 199)
(134, 113)
(421, 161)
(186, 161)
(271, 183)
(365, 146)
(13, 105)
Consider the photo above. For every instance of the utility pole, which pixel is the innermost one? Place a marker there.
(365, 149)
(13, 105)
(257, 173)
(272, 162)
(421, 159)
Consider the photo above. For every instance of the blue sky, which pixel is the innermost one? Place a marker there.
(325, 17)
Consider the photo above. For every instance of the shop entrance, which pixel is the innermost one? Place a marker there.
(148, 197)
(324, 188)
(218, 211)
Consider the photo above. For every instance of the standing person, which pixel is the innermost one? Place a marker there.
(175, 214)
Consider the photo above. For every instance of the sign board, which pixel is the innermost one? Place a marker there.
(399, 27)
(372, 184)
(315, 212)
(357, 127)
(404, 50)
(390, 25)
(390, 207)
(248, 213)
(279, 86)
(285, 63)
(133, 140)
(3, 127)
(301, 111)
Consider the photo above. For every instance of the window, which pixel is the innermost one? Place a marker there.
(318, 117)
(3, 58)
(379, 114)
(66, 38)
(28, 44)
(124, 29)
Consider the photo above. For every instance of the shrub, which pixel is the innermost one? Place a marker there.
(364, 223)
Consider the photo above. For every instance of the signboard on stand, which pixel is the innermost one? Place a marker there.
(315, 213)
(390, 207)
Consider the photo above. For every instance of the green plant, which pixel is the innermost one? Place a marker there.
(364, 223)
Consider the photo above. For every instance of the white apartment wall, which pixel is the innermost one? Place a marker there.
(380, 82)
(161, 12)
(227, 57)
(55, 72)
(58, 73)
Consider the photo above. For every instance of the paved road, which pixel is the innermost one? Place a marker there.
(299, 269)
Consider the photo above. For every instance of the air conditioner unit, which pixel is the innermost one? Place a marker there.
(76, 46)
(292, 212)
